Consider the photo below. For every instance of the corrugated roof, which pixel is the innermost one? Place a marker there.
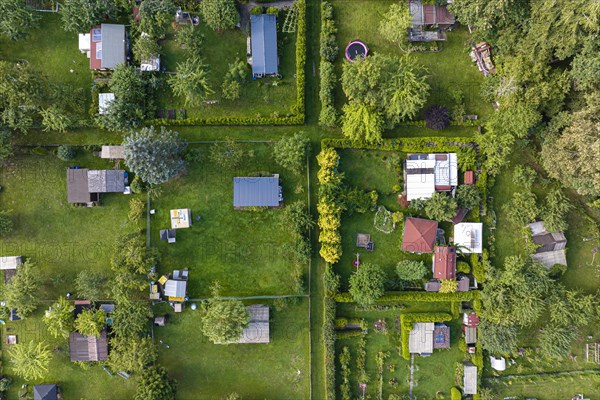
(419, 235)
(77, 186)
(256, 192)
(106, 181)
(444, 262)
(424, 173)
(470, 335)
(88, 348)
(258, 330)
(113, 45)
(263, 33)
(10, 262)
(175, 288)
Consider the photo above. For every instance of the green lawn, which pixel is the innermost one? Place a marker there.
(278, 370)
(240, 249)
(62, 240)
(448, 70)
(549, 388)
(258, 97)
(89, 382)
(54, 53)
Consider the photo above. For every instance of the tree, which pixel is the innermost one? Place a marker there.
(555, 341)
(130, 319)
(55, 119)
(331, 281)
(224, 320)
(22, 291)
(156, 157)
(394, 25)
(155, 384)
(367, 284)
(189, 38)
(59, 318)
(6, 149)
(291, 151)
(440, 207)
(16, 19)
(30, 360)
(437, 117)
(131, 354)
(90, 322)
(411, 270)
(296, 219)
(80, 15)
(468, 196)
(156, 17)
(555, 211)
(575, 150)
(219, 14)
(362, 122)
(448, 286)
(524, 176)
(227, 154)
(231, 90)
(90, 285)
(521, 209)
(570, 308)
(65, 152)
(145, 48)
(22, 90)
(191, 81)
(6, 223)
(497, 339)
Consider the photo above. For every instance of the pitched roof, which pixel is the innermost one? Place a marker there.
(469, 177)
(77, 186)
(419, 235)
(263, 34)
(45, 392)
(113, 45)
(175, 288)
(469, 236)
(441, 336)
(113, 152)
(106, 181)
(470, 319)
(552, 245)
(463, 284)
(470, 335)
(88, 348)
(470, 379)
(444, 262)
(256, 191)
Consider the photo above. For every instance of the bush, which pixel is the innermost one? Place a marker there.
(137, 185)
(65, 152)
(272, 10)
(463, 266)
(437, 117)
(329, 347)
(136, 209)
(397, 297)
(257, 10)
(455, 393)
(557, 271)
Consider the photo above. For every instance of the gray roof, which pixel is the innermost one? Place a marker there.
(263, 31)
(10, 262)
(470, 379)
(88, 348)
(257, 330)
(105, 181)
(256, 192)
(77, 186)
(175, 288)
(420, 339)
(45, 392)
(113, 45)
(113, 152)
(552, 245)
(470, 334)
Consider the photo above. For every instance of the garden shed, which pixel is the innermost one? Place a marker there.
(551, 245)
(263, 35)
(468, 237)
(257, 330)
(470, 379)
(425, 174)
(181, 218)
(256, 191)
(88, 348)
(444, 262)
(10, 262)
(45, 392)
(113, 152)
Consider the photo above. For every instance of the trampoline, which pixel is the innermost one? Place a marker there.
(356, 48)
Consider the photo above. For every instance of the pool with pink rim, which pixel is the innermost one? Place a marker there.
(356, 48)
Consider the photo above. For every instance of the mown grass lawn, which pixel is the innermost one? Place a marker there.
(240, 249)
(258, 97)
(54, 53)
(448, 70)
(278, 370)
(76, 382)
(432, 374)
(61, 239)
(548, 388)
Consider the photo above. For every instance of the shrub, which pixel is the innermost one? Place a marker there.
(455, 393)
(437, 117)
(65, 152)
(411, 270)
(137, 185)
(272, 10)
(257, 10)
(136, 209)
(463, 266)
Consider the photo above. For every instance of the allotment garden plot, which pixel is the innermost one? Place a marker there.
(61, 239)
(246, 250)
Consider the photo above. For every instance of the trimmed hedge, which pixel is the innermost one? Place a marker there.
(329, 346)
(407, 323)
(393, 297)
(407, 145)
(349, 334)
(297, 110)
(327, 78)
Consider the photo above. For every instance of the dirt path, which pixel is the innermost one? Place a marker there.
(412, 369)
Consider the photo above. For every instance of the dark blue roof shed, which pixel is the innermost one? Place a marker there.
(263, 32)
(256, 192)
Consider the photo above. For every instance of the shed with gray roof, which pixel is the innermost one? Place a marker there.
(256, 191)
(263, 34)
(470, 379)
(257, 330)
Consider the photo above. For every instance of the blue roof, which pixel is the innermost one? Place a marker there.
(263, 32)
(256, 192)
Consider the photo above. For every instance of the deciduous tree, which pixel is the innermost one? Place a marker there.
(30, 360)
(411, 270)
(156, 17)
(291, 151)
(219, 14)
(91, 285)
(440, 207)
(78, 16)
(154, 156)
(191, 81)
(22, 291)
(555, 341)
(131, 354)
(521, 209)
(555, 210)
(367, 284)
(155, 384)
(16, 19)
(223, 321)
(497, 339)
(437, 117)
(59, 318)
(468, 196)
(90, 322)
(395, 23)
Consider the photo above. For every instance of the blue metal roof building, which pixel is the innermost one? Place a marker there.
(263, 33)
(256, 192)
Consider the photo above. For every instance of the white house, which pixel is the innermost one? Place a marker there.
(425, 174)
(468, 237)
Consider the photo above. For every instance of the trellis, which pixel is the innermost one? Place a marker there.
(291, 20)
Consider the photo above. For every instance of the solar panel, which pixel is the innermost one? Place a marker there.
(439, 338)
(96, 35)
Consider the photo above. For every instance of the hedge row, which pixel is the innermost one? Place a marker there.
(393, 297)
(329, 346)
(349, 334)
(422, 123)
(407, 145)
(328, 51)
(297, 111)
(407, 323)
(330, 214)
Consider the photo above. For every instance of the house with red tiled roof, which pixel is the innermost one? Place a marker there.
(444, 262)
(419, 235)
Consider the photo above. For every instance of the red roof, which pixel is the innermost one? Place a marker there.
(95, 63)
(437, 15)
(472, 320)
(419, 235)
(444, 262)
(469, 178)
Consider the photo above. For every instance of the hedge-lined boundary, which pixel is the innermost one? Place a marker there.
(329, 346)
(407, 324)
(327, 79)
(394, 297)
(296, 116)
(407, 145)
